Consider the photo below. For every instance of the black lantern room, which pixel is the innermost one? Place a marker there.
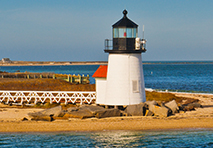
(125, 32)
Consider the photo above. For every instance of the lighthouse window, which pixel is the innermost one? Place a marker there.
(122, 32)
(129, 32)
(134, 32)
(135, 86)
(115, 33)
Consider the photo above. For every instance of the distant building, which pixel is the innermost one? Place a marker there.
(6, 60)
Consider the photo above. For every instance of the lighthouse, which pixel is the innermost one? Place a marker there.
(123, 83)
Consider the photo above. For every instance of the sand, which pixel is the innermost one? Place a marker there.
(11, 120)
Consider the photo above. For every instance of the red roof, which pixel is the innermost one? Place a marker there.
(101, 72)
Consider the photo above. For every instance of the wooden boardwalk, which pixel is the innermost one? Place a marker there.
(75, 79)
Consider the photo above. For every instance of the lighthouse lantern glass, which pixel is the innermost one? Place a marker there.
(115, 33)
(124, 32)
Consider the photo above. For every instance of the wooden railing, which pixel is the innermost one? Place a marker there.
(77, 79)
(34, 97)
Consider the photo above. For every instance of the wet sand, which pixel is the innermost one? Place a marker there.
(10, 120)
(106, 124)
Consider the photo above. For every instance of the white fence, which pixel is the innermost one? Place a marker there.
(33, 97)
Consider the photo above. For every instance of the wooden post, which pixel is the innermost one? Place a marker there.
(88, 79)
(74, 78)
(82, 79)
(79, 76)
(70, 78)
(53, 76)
(28, 76)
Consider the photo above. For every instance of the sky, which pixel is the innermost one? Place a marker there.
(75, 30)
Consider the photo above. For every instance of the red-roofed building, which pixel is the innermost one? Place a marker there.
(100, 81)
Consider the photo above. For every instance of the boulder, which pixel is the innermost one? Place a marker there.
(173, 106)
(55, 111)
(191, 106)
(187, 108)
(149, 113)
(108, 113)
(195, 105)
(82, 114)
(151, 102)
(136, 109)
(70, 109)
(159, 111)
(61, 114)
(92, 109)
(42, 118)
(36, 114)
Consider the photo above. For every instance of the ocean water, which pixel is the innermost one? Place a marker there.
(172, 76)
(190, 138)
(179, 77)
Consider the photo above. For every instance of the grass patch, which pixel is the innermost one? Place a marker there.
(161, 96)
(43, 85)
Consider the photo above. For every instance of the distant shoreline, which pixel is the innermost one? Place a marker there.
(51, 63)
(54, 63)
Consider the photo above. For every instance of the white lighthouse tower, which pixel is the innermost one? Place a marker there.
(124, 79)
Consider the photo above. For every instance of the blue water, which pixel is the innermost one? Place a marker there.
(188, 138)
(172, 76)
(179, 77)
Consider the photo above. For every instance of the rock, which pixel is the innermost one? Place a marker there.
(191, 106)
(61, 114)
(136, 110)
(195, 105)
(159, 111)
(188, 108)
(123, 113)
(82, 114)
(151, 102)
(42, 118)
(149, 113)
(173, 106)
(108, 113)
(55, 111)
(92, 109)
(70, 109)
(87, 111)
(36, 114)
(189, 100)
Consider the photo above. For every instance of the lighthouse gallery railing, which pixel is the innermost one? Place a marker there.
(34, 97)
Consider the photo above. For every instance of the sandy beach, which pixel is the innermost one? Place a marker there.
(11, 120)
